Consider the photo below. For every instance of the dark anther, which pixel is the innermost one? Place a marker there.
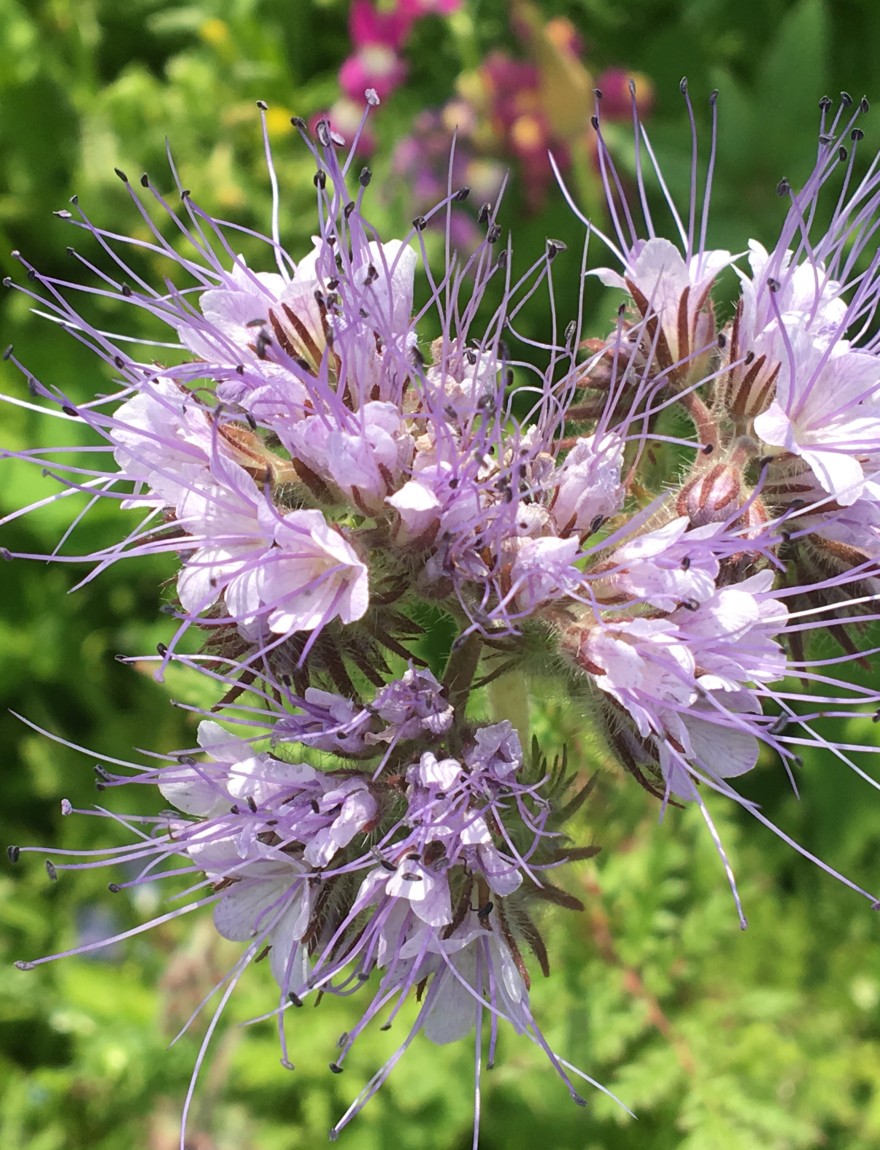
(7, 281)
(502, 259)
(68, 410)
(596, 522)
(410, 876)
(7, 352)
(420, 223)
(875, 718)
(690, 604)
(846, 99)
(320, 178)
(126, 290)
(119, 361)
(783, 187)
(251, 422)
(74, 200)
(461, 195)
(145, 180)
(335, 1067)
(298, 123)
(856, 134)
(371, 276)
(32, 273)
(322, 131)
(779, 725)
(554, 247)
(294, 999)
(713, 98)
(773, 284)
(114, 887)
(252, 804)
(262, 105)
(119, 172)
(484, 213)
(348, 209)
(707, 448)
(825, 103)
(162, 649)
(50, 870)
(484, 911)
(841, 153)
(826, 139)
(185, 193)
(365, 177)
(71, 251)
(722, 339)
(749, 358)
(863, 104)
(597, 92)
(594, 121)
(493, 234)
(333, 284)
(13, 854)
(683, 85)
(685, 563)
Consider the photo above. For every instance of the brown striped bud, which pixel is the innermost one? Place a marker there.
(712, 497)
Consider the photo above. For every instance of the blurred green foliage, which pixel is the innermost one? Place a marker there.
(716, 1038)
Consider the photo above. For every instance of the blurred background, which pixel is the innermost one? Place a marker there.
(719, 1040)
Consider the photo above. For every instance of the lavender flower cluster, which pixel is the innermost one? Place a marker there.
(658, 520)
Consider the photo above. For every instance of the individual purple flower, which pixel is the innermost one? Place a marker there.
(589, 486)
(826, 410)
(672, 290)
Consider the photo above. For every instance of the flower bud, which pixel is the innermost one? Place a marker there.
(712, 497)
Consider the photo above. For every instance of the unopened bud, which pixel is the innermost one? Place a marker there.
(712, 497)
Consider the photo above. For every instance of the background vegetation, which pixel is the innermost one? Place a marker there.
(716, 1038)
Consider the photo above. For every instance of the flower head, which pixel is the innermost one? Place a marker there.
(370, 528)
